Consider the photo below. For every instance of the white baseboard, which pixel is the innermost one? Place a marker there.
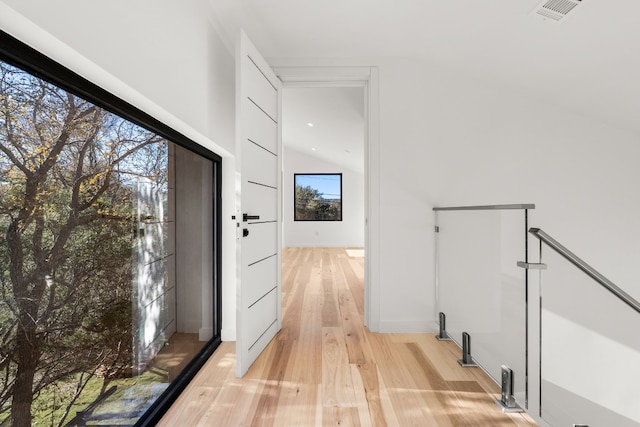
(189, 326)
(228, 334)
(407, 326)
(205, 334)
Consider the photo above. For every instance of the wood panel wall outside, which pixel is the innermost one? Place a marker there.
(325, 368)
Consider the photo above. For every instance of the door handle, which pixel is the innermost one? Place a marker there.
(247, 217)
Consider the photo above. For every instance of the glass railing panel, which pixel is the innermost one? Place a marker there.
(481, 289)
(590, 350)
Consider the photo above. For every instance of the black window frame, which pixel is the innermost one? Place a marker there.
(21, 55)
(295, 211)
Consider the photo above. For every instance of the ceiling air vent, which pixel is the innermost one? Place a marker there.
(556, 10)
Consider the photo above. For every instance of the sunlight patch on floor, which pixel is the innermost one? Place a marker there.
(355, 253)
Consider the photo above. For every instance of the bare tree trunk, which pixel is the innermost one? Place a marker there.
(27, 353)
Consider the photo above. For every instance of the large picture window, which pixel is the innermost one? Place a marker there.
(318, 197)
(108, 252)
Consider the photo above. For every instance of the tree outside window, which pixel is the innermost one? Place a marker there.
(318, 197)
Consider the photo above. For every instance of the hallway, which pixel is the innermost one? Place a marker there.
(325, 368)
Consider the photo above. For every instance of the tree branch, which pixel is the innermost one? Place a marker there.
(79, 388)
(79, 176)
(103, 188)
(6, 150)
(136, 148)
(14, 159)
(36, 240)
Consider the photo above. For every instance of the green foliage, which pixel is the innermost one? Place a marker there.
(310, 205)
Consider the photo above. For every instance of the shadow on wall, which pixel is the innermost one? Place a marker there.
(590, 350)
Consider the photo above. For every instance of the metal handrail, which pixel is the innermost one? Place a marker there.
(586, 268)
(486, 207)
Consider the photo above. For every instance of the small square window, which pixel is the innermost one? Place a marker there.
(317, 196)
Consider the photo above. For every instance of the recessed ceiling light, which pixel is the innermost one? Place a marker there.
(310, 124)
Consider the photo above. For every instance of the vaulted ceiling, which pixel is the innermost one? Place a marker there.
(588, 63)
(327, 123)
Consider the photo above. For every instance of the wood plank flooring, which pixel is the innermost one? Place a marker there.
(325, 368)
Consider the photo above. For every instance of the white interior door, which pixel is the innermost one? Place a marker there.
(258, 162)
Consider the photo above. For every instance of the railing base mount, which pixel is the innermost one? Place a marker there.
(508, 410)
(464, 364)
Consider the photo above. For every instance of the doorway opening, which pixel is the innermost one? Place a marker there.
(323, 163)
(362, 80)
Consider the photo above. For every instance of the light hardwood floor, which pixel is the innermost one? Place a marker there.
(325, 368)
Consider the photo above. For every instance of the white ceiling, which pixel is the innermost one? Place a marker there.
(590, 63)
(337, 116)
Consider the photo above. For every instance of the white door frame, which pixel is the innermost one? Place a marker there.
(366, 77)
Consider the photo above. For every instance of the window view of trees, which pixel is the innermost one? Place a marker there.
(69, 172)
(318, 197)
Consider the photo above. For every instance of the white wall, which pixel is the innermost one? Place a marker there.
(141, 43)
(347, 233)
(164, 57)
(449, 140)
